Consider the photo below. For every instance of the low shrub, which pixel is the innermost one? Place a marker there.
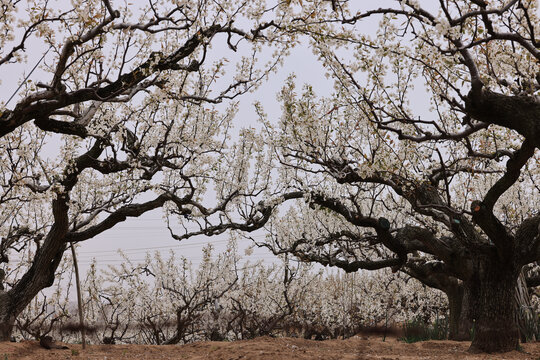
(417, 330)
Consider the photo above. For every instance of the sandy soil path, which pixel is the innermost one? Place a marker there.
(266, 348)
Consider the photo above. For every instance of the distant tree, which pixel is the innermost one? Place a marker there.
(124, 119)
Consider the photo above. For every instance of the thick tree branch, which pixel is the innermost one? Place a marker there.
(42, 104)
(513, 171)
(518, 112)
(117, 216)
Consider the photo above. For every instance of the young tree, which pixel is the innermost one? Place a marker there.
(225, 298)
(125, 119)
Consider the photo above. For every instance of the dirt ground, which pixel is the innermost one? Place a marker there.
(266, 348)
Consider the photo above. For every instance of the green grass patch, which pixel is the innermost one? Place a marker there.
(417, 330)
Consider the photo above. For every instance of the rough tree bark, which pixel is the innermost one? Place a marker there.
(455, 305)
(462, 316)
(525, 314)
(7, 318)
(41, 273)
(493, 288)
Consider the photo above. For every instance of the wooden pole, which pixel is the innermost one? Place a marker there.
(79, 297)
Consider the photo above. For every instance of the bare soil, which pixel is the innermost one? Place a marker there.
(356, 348)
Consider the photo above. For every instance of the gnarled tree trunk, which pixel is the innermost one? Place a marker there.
(465, 316)
(462, 316)
(493, 291)
(7, 317)
(41, 273)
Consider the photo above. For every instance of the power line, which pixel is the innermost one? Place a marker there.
(191, 258)
(85, 260)
(172, 247)
(26, 78)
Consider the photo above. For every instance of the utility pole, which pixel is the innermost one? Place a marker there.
(79, 297)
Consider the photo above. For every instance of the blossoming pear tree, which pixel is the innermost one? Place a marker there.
(125, 112)
(429, 146)
(426, 153)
